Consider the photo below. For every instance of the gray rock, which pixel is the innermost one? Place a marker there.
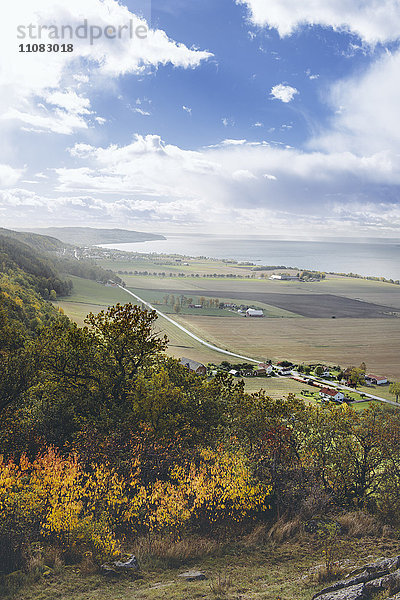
(390, 582)
(362, 578)
(193, 576)
(355, 592)
(382, 564)
(382, 575)
(131, 564)
(117, 567)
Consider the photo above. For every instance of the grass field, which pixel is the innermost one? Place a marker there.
(244, 570)
(89, 296)
(341, 341)
(330, 341)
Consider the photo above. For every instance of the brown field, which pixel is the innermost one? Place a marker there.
(323, 306)
(332, 341)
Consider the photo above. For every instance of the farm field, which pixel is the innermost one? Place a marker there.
(306, 305)
(349, 341)
(88, 296)
(332, 341)
(157, 298)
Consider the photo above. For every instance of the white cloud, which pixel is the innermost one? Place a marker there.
(142, 112)
(243, 175)
(237, 182)
(366, 112)
(37, 88)
(283, 92)
(59, 121)
(231, 178)
(372, 20)
(9, 176)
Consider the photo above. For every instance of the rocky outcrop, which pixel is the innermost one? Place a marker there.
(117, 567)
(192, 576)
(364, 584)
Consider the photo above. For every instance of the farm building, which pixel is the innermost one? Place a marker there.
(260, 372)
(376, 380)
(331, 394)
(194, 366)
(234, 373)
(268, 367)
(252, 312)
(284, 277)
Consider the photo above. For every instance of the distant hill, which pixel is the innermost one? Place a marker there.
(87, 236)
(42, 243)
(34, 253)
(27, 281)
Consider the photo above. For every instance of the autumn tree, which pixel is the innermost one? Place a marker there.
(394, 389)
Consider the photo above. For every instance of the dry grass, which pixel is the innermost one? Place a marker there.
(326, 573)
(359, 525)
(257, 537)
(287, 571)
(284, 530)
(221, 585)
(163, 551)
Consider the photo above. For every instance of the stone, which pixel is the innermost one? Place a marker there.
(117, 567)
(382, 575)
(131, 564)
(390, 582)
(388, 563)
(362, 578)
(192, 576)
(354, 592)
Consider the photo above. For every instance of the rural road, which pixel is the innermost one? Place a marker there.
(247, 358)
(189, 333)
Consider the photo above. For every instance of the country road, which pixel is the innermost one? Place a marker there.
(189, 333)
(247, 358)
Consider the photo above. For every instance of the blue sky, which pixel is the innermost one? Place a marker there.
(276, 118)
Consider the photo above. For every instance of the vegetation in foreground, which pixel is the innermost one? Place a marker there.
(107, 440)
(109, 446)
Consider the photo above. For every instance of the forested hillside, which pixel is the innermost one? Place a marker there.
(41, 243)
(89, 236)
(27, 282)
(105, 440)
(43, 257)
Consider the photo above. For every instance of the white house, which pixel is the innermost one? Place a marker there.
(332, 394)
(284, 277)
(374, 380)
(252, 312)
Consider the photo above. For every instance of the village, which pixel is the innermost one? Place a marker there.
(325, 380)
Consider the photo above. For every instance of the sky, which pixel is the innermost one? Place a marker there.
(275, 118)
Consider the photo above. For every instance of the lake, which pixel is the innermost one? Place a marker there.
(377, 258)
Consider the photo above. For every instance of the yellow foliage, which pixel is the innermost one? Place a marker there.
(54, 496)
(219, 487)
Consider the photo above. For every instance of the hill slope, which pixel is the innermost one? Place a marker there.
(27, 281)
(41, 243)
(87, 236)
